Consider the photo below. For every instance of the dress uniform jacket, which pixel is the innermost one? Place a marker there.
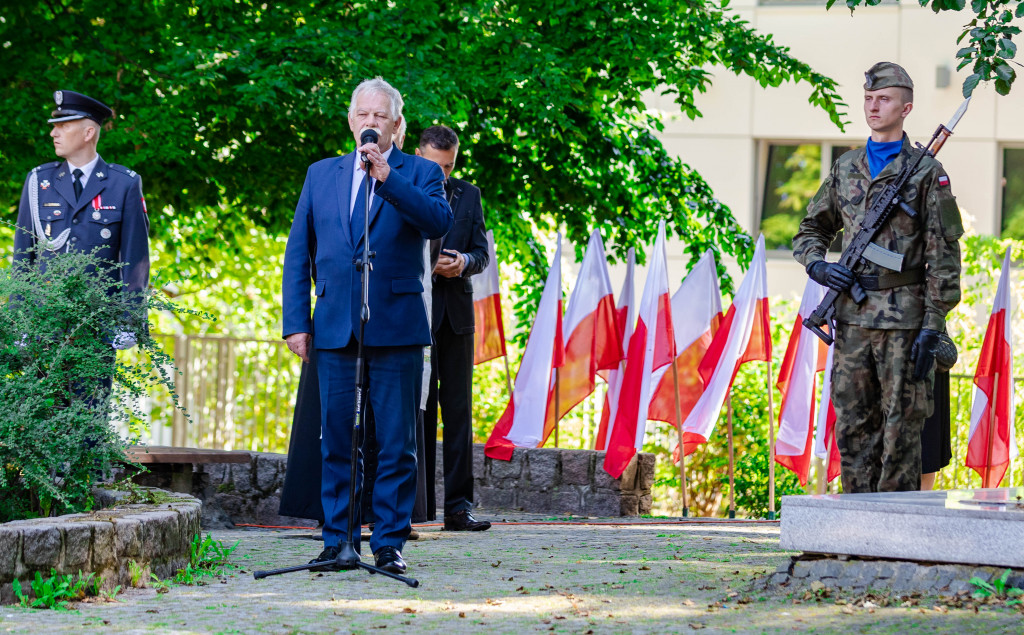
(109, 215)
(927, 242)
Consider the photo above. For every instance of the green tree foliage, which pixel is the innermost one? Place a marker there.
(990, 49)
(221, 105)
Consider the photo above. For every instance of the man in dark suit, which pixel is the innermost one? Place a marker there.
(407, 206)
(463, 253)
(85, 203)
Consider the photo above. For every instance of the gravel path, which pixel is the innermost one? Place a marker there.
(648, 577)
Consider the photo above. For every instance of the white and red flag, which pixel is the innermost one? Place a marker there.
(522, 423)
(696, 316)
(991, 442)
(625, 316)
(744, 336)
(651, 347)
(805, 358)
(489, 338)
(825, 446)
(592, 339)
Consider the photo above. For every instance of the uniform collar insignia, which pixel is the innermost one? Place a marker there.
(99, 175)
(61, 175)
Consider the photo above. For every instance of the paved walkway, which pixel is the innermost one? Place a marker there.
(645, 577)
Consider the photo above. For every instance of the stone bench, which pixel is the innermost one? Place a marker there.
(542, 480)
(179, 462)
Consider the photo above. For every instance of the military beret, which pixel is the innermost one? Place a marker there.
(885, 75)
(71, 106)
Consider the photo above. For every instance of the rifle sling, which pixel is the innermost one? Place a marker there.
(891, 280)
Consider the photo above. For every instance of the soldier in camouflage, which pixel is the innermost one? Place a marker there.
(884, 348)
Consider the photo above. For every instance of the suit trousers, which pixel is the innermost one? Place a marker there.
(451, 384)
(394, 376)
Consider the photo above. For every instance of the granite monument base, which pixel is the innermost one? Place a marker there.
(978, 527)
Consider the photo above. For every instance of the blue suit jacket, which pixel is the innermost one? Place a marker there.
(407, 209)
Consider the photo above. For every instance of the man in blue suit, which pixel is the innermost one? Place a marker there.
(407, 207)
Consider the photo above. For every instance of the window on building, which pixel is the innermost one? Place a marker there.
(1013, 193)
(792, 174)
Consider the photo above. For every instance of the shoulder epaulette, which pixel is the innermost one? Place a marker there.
(51, 165)
(122, 169)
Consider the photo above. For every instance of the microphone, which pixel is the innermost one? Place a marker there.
(367, 136)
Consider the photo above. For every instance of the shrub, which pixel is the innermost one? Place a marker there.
(63, 382)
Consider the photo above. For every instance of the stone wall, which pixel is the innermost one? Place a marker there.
(546, 480)
(858, 575)
(156, 537)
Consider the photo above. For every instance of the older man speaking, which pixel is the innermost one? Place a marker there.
(407, 207)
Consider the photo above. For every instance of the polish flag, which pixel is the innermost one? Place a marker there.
(744, 336)
(651, 347)
(625, 316)
(825, 445)
(696, 315)
(805, 358)
(522, 423)
(592, 339)
(987, 455)
(489, 338)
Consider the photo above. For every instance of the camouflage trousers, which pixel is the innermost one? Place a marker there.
(880, 410)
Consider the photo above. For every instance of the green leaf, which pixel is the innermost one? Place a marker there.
(970, 84)
(1004, 71)
(978, 5)
(1019, 13)
(1007, 48)
(965, 52)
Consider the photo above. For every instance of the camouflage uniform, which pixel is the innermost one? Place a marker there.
(880, 410)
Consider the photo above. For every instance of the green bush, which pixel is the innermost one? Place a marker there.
(57, 406)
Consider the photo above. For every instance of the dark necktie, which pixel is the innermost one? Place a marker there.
(77, 182)
(358, 217)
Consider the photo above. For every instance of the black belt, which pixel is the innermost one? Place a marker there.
(891, 280)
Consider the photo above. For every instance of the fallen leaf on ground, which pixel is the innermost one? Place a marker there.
(408, 609)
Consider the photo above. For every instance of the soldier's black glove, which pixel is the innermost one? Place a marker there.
(922, 353)
(831, 274)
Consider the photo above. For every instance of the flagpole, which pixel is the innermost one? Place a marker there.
(771, 448)
(555, 371)
(508, 376)
(682, 448)
(991, 429)
(732, 482)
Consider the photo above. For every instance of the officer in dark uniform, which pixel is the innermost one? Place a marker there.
(83, 202)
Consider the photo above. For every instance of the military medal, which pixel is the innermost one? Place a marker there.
(105, 233)
(56, 212)
(44, 184)
(95, 215)
(47, 230)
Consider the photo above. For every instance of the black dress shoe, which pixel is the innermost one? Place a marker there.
(464, 521)
(389, 559)
(330, 556)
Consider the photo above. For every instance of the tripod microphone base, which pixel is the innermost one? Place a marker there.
(347, 557)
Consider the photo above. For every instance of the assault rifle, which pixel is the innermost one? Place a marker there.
(862, 248)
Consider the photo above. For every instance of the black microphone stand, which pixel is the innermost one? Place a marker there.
(348, 557)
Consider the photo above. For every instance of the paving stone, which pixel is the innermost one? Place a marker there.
(602, 503)
(576, 467)
(630, 505)
(543, 466)
(103, 545)
(479, 463)
(628, 479)
(241, 478)
(10, 549)
(77, 543)
(779, 579)
(495, 498)
(825, 568)
(566, 500)
(41, 548)
(801, 569)
(128, 538)
(268, 473)
(513, 468)
(645, 471)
